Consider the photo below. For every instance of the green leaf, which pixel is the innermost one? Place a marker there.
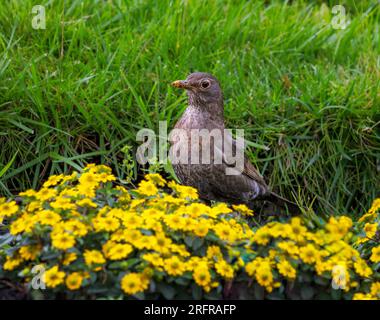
(321, 281)
(197, 243)
(307, 293)
(275, 296)
(167, 291)
(189, 241)
(139, 296)
(5, 239)
(8, 165)
(259, 292)
(182, 281)
(336, 294)
(196, 291)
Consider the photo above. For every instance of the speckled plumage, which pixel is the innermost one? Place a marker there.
(205, 111)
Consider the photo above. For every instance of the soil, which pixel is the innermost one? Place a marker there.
(9, 291)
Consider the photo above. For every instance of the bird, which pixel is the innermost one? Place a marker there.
(205, 111)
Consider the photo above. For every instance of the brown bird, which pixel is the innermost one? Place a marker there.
(205, 111)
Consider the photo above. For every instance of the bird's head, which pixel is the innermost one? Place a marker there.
(202, 89)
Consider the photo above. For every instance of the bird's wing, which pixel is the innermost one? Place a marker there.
(239, 148)
(251, 172)
(240, 179)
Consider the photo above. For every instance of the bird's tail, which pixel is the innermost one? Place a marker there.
(283, 203)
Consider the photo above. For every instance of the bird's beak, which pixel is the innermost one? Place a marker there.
(183, 84)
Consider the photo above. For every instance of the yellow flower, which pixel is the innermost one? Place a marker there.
(48, 217)
(155, 178)
(74, 281)
(197, 209)
(370, 229)
(261, 236)
(45, 194)
(309, 254)
(225, 232)
(8, 209)
(53, 181)
(369, 216)
(174, 266)
(124, 195)
(133, 283)
(224, 269)
(76, 227)
(168, 199)
(151, 213)
(162, 242)
(362, 268)
(93, 257)
(375, 206)
(33, 206)
(86, 202)
(118, 251)
(286, 269)
(154, 259)
(87, 190)
(257, 264)
(62, 241)
(214, 252)
(289, 247)
(29, 252)
(108, 223)
(175, 222)
(195, 262)
(69, 193)
(62, 203)
(12, 263)
(201, 229)
(184, 191)
(106, 177)
(298, 231)
(88, 179)
(28, 193)
(53, 277)
(23, 224)
(136, 203)
(202, 276)
(264, 276)
(70, 177)
(132, 220)
(180, 249)
(338, 227)
(144, 242)
(220, 208)
(147, 188)
(243, 209)
(375, 256)
(375, 289)
(17, 226)
(362, 296)
(188, 192)
(129, 235)
(69, 257)
(282, 230)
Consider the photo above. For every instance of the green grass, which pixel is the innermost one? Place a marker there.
(79, 91)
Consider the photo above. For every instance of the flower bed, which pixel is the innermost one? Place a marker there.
(96, 239)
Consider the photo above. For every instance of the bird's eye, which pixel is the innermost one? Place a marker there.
(205, 84)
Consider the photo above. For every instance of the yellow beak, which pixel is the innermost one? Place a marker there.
(183, 84)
